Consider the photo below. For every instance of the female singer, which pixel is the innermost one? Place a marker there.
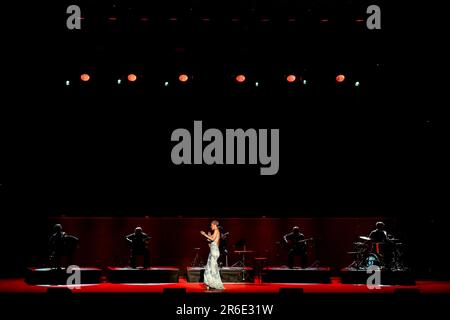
(212, 274)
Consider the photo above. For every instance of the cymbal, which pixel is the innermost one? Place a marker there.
(359, 243)
(364, 238)
(244, 251)
(393, 239)
(354, 252)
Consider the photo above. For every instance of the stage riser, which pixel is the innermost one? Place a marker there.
(296, 276)
(387, 278)
(60, 277)
(196, 275)
(143, 276)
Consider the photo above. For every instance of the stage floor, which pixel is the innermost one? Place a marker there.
(335, 287)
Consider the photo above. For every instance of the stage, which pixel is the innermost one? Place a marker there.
(46, 276)
(227, 274)
(321, 301)
(287, 275)
(19, 285)
(139, 275)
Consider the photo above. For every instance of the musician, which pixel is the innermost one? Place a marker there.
(61, 245)
(138, 242)
(296, 240)
(382, 244)
(379, 234)
(212, 277)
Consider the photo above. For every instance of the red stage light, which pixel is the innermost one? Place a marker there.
(291, 78)
(240, 78)
(85, 77)
(132, 77)
(340, 78)
(183, 77)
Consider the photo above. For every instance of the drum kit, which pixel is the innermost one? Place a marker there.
(386, 255)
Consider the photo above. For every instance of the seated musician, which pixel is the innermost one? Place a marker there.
(297, 243)
(382, 244)
(61, 245)
(138, 247)
(379, 234)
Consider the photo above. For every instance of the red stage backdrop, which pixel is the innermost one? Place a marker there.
(173, 240)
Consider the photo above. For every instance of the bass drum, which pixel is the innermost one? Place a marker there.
(371, 260)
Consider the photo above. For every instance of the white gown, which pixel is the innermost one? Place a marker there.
(212, 273)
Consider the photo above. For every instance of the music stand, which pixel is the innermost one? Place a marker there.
(196, 261)
(241, 263)
(223, 246)
(237, 246)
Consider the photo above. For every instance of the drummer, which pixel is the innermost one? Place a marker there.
(382, 243)
(379, 234)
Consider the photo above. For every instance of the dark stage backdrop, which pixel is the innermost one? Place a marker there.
(98, 149)
(174, 239)
(24, 240)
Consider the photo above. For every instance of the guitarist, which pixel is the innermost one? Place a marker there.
(138, 247)
(296, 241)
(61, 245)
